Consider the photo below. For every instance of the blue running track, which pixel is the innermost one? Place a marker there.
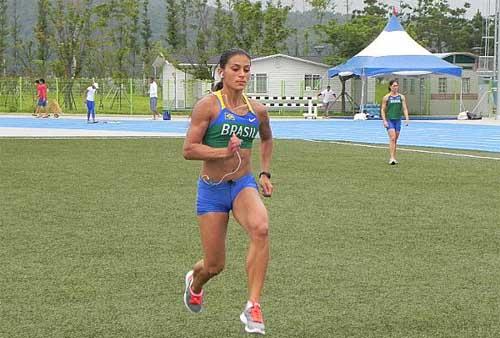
(423, 134)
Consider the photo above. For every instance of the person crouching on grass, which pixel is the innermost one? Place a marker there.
(54, 108)
(223, 127)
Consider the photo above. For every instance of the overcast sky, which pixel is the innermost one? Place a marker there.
(482, 5)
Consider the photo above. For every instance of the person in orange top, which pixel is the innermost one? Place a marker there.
(42, 99)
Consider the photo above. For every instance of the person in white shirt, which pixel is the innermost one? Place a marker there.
(90, 102)
(328, 99)
(153, 97)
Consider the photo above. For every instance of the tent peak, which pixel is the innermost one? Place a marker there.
(393, 25)
(395, 51)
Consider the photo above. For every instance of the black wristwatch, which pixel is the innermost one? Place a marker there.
(265, 173)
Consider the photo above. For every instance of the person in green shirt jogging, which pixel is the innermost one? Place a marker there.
(393, 108)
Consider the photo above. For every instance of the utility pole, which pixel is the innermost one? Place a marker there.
(347, 7)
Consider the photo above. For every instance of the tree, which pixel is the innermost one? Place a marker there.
(275, 30)
(27, 57)
(72, 28)
(321, 7)
(174, 39)
(4, 33)
(295, 44)
(350, 38)
(199, 52)
(478, 31)
(184, 10)
(223, 28)
(248, 27)
(71, 42)
(134, 40)
(438, 27)
(465, 36)
(118, 23)
(102, 60)
(372, 8)
(16, 40)
(306, 48)
(146, 35)
(42, 34)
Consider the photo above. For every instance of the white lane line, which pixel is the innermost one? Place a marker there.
(410, 150)
(68, 133)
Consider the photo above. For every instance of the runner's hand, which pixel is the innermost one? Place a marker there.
(266, 186)
(234, 145)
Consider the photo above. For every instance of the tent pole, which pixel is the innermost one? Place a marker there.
(362, 90)
(461, 96)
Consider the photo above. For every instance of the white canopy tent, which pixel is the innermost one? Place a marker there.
(394, 52)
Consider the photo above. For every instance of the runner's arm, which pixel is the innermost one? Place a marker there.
(193, 148)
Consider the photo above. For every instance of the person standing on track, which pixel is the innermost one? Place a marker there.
(90, 102)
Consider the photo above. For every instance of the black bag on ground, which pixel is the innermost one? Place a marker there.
(474, 116)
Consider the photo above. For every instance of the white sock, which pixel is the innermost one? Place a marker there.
(250, 304)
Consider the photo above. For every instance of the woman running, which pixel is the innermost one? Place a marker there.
(223, 127)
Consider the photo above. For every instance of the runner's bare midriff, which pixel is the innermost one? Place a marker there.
(215, 169)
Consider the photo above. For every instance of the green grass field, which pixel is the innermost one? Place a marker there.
(96, 236)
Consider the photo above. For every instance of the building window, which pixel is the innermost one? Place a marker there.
(466, 85)
(257, 83)
(443, 85)
(312, 82)
(412, 86)
(405, 86)
(261, 83)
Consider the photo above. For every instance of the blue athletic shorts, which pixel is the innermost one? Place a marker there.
(219, 198)
(42, 102)
(394, 124)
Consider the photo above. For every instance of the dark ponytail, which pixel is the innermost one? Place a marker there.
(224, 59)
(391, 82)
(218, 86)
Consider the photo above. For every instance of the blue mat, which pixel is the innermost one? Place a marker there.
(439, 135)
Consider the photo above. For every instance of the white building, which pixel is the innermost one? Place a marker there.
(284, 75)
(274, 75)
(442, 95)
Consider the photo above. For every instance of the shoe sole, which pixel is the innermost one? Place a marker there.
(186, 281)
(243, 319)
